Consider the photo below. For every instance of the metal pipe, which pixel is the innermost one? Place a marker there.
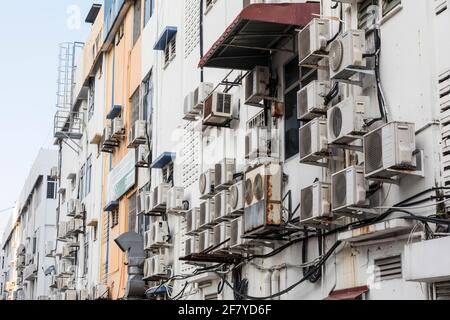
(391, 239)
(275, 283)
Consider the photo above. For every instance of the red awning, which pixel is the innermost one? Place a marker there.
(348, 294)
(255, 34)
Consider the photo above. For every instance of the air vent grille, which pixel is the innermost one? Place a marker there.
(388, 268)
(442, 290)
(307, 203)
(374, 151)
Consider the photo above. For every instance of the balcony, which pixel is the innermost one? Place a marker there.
(256, 34)
(68, 125)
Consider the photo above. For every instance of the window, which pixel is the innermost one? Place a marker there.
(114, 218)
(149, 8)
(137, 21)
(86, 255)
(88, 175)
(293, 81)
(389, 5)
(91, 98)
(170, 51)
(132, 213)
(81, 183)
(135, 98)
(51, 188)
(147, 97)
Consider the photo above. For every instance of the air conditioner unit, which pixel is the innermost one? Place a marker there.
(263, 195)
(140, 202)
(191, 246)
(389, 149)
(54, 173)
(200, 94)
(83, 295)
(218, 109)
(73, 206)
(222, 235)
(75, 226)
(175, 200)
(346, 120)
(189, 112)
(68, 252)
(207, 214)
(157, 236)
(137, 134)
(257, 143)
(206, 240)
(62, 283)
(148, 201)
(70, 295)
(159, 201)
(311, 100)
(229, 204)
(257, 85)
(142, 156)
(312, 42)
(315, 204)
(155, 266)
(62, 229)
(313, 141)
(192, 219)
(235, 199)
(224, 174)
(206, 184)
(80, 210)
(349, 189)
(118, 129)
(236, 233)
(347, 55)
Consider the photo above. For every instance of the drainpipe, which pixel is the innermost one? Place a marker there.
(275, 281)
(202, 76)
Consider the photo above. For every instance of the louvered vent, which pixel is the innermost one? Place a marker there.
(367, 14)
(191, 155)
(306, 203)
(258, 121)
(340, 190)
(440, 6)
(191, 26)
(442, 290)
(305, 141)
(388, 268)
(444, 102)
(185, 241)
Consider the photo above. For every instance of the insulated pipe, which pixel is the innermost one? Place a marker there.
(267, 284)
(275, 280)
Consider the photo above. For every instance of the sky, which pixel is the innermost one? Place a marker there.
(31, 33)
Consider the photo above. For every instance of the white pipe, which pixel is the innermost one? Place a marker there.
(267, 285)
(276, 283)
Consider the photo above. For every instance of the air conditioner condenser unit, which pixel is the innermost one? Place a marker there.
(346, 120)
(218, 109)
(257, 85)
(222, 235)
(313, 141)
(175, 201)
(224, 174)
(347, 55)
(159, 201)
(206, 183)
(311, 100)
(312, 42)
(192, 220)
(349, 189)
(137, 134)
(390, 151)
(263, 196)
(315, 206)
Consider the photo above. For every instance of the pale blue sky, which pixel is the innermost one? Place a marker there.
(31, 33)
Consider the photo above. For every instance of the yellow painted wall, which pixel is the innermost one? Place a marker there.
(127, 76)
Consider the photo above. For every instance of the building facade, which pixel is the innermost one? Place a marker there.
(249, 150)
(25, 258)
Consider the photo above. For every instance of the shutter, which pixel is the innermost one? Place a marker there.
(191, 155)
(442, 290)
(388, 268)
(444, 102)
